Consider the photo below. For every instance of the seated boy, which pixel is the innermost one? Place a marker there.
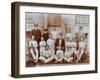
(71, 51)
(67, 55)
(82, 46)
(33, 48)
(42, 45)
(47, 56)
(59, 55)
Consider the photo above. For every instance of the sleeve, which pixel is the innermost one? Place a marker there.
(32, 32)
(56, 43)
(30, 44)
(56, 52)
(40, 43)
(47, 42)
(63, 42)
(36, 44)
(39, 33)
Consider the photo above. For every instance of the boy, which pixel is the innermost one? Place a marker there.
(47, 56)
(69, 51)
(42, 45)
(81, 33)
(60, 42)
(50, 42)
(37, 33)
(54, 34)
(82, 46)
(33, 48)
(46, 34)
(59, 55)
(75, 51)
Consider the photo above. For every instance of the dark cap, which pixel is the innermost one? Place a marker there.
(35, 24)
(61, 33)
(80, 27)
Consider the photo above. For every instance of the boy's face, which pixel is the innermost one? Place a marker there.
(50, 36)
(60, 35)
(59, 47)
(42, 38)
(45, 31)
(32, 37)
(35, 27)
(47, 47)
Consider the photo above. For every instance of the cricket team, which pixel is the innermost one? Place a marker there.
(53, 47)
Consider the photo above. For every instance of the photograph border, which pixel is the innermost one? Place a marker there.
(15, 33)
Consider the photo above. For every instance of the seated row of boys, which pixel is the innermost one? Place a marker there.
(57, 51)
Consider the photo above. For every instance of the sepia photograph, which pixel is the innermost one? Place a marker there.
(53, 38)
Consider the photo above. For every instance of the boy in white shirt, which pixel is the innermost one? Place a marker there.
(42, 45)
(33, 48)
(50, 42)
(59, 55)
(67, 55)
(81, 33)
(69, 34)
(82, 46)
(75, 51)
(54, 34)
(74, 45)
(69, 50)
(47, 56)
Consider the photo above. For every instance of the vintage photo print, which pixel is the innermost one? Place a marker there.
(54, 38)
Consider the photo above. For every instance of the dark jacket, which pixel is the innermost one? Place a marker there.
(62, 44)
(37, 34)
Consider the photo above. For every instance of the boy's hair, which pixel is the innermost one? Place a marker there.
(80, 27)
(35, 25)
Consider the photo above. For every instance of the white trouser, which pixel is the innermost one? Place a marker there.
(42, 50)
(46, 60)
(80, 54)
(34, 55)
(58, 59)
(68, 59)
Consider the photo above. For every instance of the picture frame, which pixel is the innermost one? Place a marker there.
(25, 15)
